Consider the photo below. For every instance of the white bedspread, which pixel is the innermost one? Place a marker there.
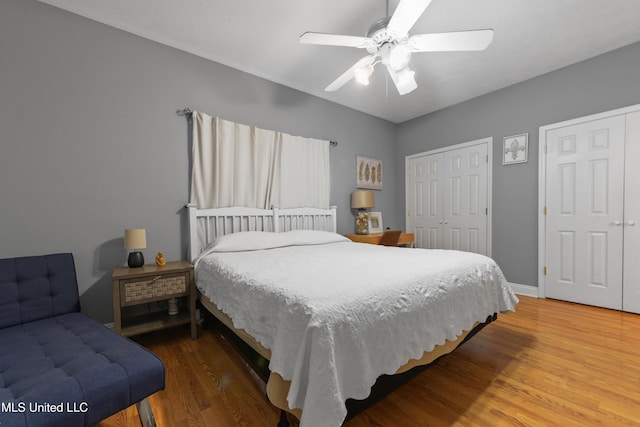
(336, 316)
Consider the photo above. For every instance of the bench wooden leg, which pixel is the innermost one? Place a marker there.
(145, 413)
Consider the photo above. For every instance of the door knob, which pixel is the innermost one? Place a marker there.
(617, 222)
(630, 223)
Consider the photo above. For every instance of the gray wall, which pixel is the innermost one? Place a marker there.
(90, 143)
(600, 84)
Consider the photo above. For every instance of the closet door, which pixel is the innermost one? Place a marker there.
(584, 221)
(631, 274)
(425, 190)
(465, 199)
(447, 198)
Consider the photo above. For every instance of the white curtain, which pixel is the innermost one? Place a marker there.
(240, 165)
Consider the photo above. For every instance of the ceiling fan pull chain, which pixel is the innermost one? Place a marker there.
(386, 85)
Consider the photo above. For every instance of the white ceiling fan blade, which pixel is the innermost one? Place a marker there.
(348, 75)
(403, 80)
(406, 14)
(334, 40)
(461, 40)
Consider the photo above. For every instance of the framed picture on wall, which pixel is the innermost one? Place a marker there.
(515, 149)
(368, 173)
(375, 222)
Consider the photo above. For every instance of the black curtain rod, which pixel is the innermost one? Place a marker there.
(187, 112)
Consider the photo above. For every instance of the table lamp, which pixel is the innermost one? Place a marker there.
(362, 200)
(135, 238)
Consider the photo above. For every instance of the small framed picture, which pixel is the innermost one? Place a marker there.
(516, 149)
(368, 173)
(375, 222)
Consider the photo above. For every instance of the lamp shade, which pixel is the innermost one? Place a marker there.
(135, 238)
(362, 199)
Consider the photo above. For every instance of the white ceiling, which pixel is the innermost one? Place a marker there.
(532, 37)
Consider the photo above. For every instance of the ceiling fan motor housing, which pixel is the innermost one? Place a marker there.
(380, 34)
(389, 46)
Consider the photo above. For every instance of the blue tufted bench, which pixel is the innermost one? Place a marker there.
(58, 367)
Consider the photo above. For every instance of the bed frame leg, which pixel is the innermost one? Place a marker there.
(284, 422)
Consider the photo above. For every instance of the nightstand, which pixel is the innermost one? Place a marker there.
(150, 283)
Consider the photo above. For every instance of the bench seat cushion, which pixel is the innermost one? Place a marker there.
(73, 363)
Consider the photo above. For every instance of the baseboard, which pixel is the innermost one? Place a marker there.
(526, 290)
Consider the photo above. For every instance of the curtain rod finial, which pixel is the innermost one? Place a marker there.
(187, 112)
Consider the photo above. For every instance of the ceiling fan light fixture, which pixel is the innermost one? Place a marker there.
(399, 56)
(362, 74)
(406, 81)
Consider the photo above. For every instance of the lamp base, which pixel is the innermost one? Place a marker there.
(173, 307)
(362, 222)
(136, 259)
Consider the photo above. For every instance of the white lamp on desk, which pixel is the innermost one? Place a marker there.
(362, 200)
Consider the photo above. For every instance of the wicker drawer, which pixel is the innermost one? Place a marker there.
(135, 291)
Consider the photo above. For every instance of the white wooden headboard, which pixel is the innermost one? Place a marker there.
(207, 224)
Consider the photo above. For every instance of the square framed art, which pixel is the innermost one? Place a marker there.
(515, 149)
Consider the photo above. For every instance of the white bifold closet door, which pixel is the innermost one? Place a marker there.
(631, 270)
(592, 241)
(447, 198)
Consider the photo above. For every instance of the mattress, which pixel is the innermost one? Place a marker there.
(335, 315)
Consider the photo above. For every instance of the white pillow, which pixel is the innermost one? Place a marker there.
(314, 237)
(258, 240)
(243, 241)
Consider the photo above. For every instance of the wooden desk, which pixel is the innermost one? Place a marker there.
(406, 239)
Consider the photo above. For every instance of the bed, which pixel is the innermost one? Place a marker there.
(332, 317)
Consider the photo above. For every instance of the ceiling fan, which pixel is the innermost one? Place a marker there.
(388, 42)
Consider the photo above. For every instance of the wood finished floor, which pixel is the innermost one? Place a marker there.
(551, 363)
